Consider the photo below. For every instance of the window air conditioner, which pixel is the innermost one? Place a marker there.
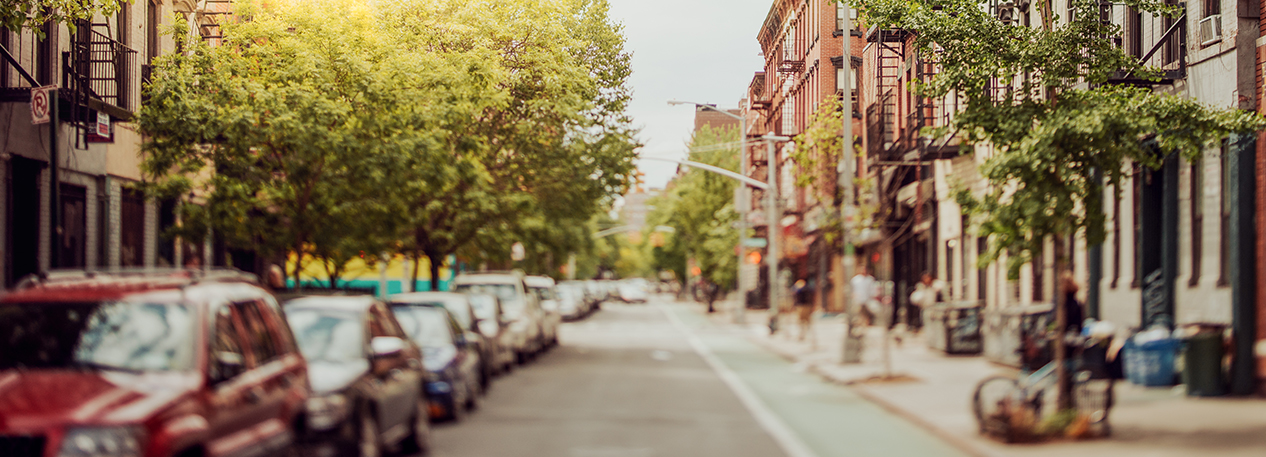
(1211, 30)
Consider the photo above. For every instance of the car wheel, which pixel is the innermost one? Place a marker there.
(367, 444)
(419, 439)
(472, 397)
(457, 407)
(520, 357)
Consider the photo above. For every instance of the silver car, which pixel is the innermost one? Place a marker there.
(522, 310)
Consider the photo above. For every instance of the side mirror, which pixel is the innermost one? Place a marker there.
(228, 366)
(386, 346)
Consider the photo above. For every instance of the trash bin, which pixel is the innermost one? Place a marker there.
(1151, 363)
(1202, 365)
(954, 328)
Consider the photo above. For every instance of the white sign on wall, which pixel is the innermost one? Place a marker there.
(103, 124)
(41, 104)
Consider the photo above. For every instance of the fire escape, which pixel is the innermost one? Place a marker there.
(881, 115)
(97, 78)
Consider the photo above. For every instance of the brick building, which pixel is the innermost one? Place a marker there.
(804, 48)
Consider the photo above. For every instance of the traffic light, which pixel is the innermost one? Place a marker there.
(753, 257)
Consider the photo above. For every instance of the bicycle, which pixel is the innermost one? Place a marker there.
(1010, 406)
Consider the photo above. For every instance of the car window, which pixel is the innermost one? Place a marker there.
(109, 335)
(281, 329)
(428, 326)
(228, 348)
(328, 335)
(484, 306)
(383, 320)
(258, 331)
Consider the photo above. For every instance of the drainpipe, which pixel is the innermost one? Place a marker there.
(54, 183)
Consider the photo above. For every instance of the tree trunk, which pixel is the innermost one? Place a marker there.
(417, 262)
(436, 259)
(1063, 377)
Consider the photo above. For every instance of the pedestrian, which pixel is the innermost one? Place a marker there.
(804, 306)
(1072, 308)
(865, 295)
(924, 297)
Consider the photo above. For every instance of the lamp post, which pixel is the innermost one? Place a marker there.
(740, 316)
(772, 214)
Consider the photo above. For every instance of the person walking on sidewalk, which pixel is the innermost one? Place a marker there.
(923, 297)
(865, 295)
(804, 306)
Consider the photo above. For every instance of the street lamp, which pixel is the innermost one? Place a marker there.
(772, 213)
(742, 224)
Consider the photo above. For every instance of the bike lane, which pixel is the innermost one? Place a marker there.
(806, 415)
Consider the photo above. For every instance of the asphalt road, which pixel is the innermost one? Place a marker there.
(660, 380)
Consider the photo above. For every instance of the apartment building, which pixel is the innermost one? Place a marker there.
(68, 197)
(804, 43)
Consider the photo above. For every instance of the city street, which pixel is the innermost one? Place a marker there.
(658, 379)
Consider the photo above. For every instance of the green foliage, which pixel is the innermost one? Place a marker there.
(1057, 126)
(699, 206)
(339, 127)
(19, 14)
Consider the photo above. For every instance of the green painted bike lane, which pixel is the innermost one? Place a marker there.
(827, 419)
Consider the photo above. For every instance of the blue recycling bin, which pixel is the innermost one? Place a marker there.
(1152, 363)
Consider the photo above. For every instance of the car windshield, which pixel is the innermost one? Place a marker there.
(544, 293)
(425, 325)
(511, 304)
(107, 336)
(328, 335)
(485, 306)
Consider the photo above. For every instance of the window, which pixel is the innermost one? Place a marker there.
(1197, 220)
(132, 229)
(258, 331)
(949, 268)
(1039, 279)
(228, 357)
(1212, 8)
(840, 8)
(1224, 266)
(789, 116)
(1133, 32)
(1116, 235)
(1136, 184)
(152, 21)
(982, 248)
(74, 226)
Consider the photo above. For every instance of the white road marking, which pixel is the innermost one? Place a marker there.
(774, 425)
(661, 356)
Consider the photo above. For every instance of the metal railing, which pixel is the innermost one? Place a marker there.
(99, 67)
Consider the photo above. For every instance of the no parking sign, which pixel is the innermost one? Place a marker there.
(41, 104)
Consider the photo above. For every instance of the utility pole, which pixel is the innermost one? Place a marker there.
(771, 216)
(851, 346)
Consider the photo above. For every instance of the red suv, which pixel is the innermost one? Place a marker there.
(130, 364)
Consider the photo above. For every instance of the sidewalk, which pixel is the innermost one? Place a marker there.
(934, 391)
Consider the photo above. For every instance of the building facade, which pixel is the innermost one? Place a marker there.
(69, 197)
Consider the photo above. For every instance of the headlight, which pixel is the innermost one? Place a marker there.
(327, 411)
(102, 442)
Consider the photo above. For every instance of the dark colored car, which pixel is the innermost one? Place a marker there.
(460, 307)
(451, 362)
(366, 377)
(147, 363)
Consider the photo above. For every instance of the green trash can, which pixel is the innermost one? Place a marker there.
(1202, 365)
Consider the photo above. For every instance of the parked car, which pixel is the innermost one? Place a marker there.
(493, 324)
(543, 288)
(153, 363)
(459, 305)
(451, 362)
(367, 376)
(571, 301)
(521, 308)
(632, 292)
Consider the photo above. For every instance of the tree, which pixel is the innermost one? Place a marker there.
(20, 14)
(290, 131)
(1058, 128)
(699, 206)
(554, 148)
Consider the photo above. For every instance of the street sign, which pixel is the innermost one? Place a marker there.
(755, 242)
(40, 104)
(103, 124)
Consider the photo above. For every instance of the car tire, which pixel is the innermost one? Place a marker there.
(457, 408)
(472, 397)
(367, 439)
(520, 357)
(419, 440)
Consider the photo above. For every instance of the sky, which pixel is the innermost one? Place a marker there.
(702, 51)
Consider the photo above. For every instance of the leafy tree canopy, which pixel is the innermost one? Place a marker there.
(20, 14)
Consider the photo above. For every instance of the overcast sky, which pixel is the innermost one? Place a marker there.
(701, 51)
